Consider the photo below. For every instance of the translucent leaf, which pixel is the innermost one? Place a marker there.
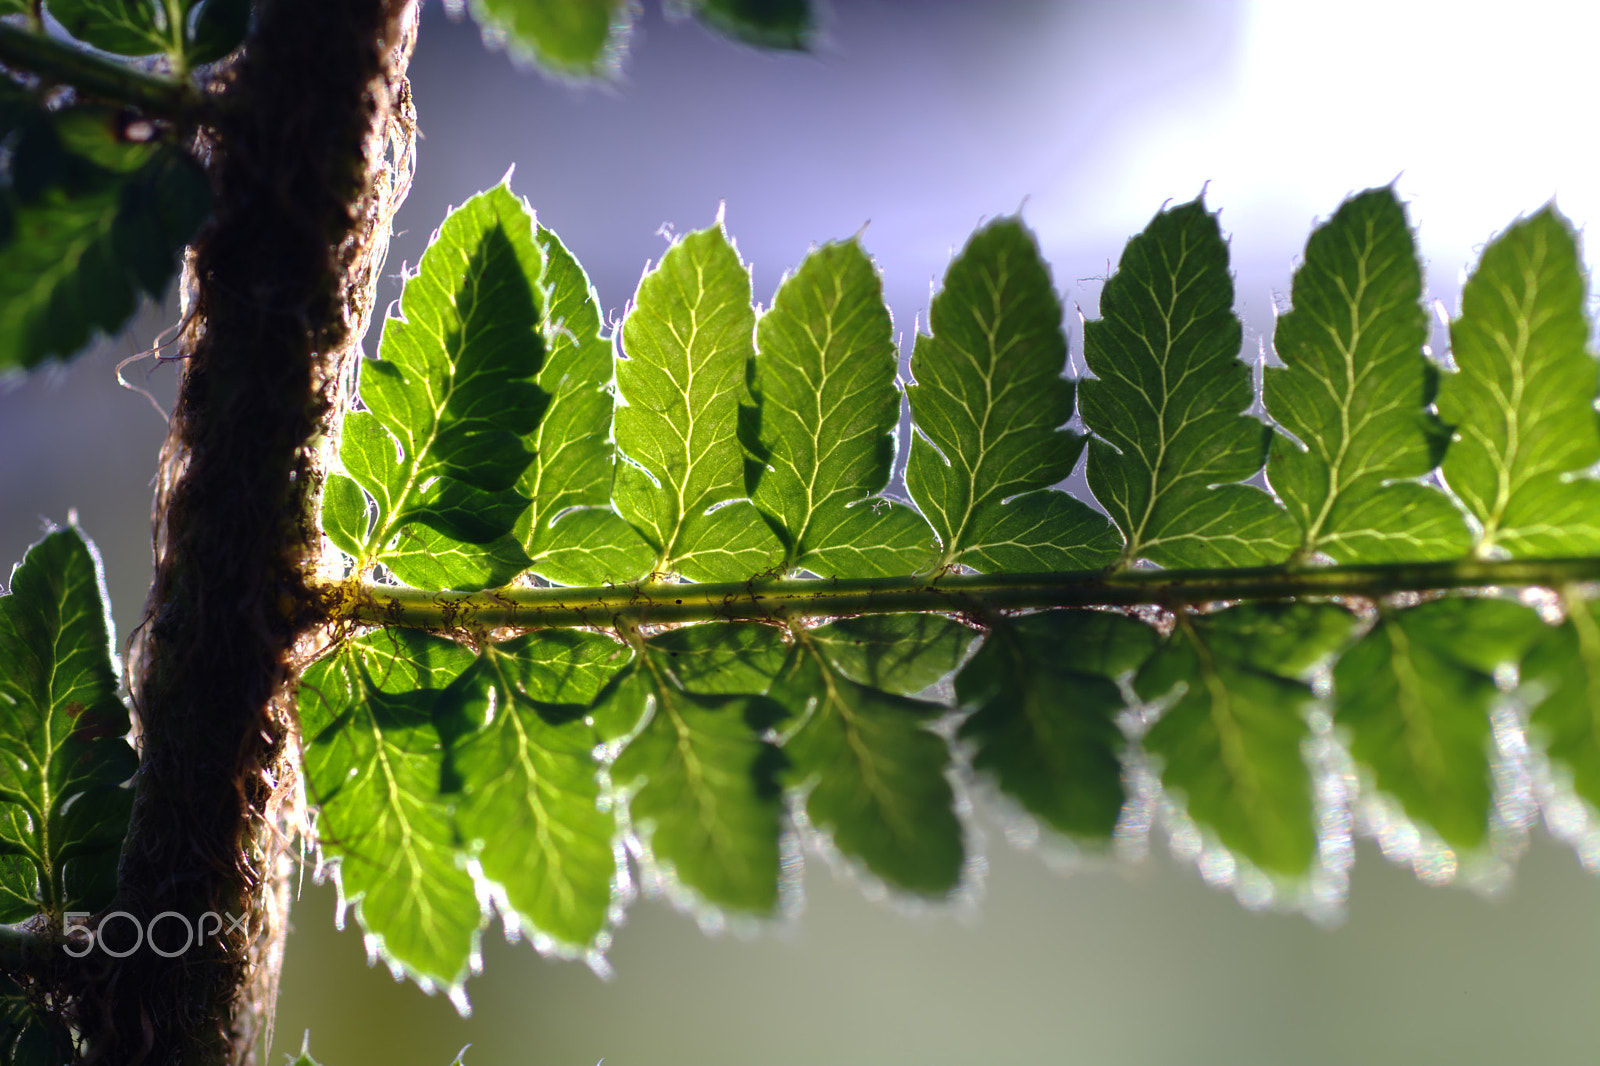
(88, 224)
(988, 404)
(374, 766)
(1523, 402)
(1415, 694)
(1354, 392)
(701, 782)
(64, 755)
(874, 774)
(584, 38)
(1166, 409)
(525, 766)
(151, 27)
(344, 514)
(449, 400)
(1044, 699)
(900, 653)
(1563, 670)
(570, 533)
(824, 383)
(688, 344)
(788, 24)
(1230, 740)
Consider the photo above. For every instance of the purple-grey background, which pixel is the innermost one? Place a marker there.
(923, 117)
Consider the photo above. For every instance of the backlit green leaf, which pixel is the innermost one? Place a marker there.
(1044, 699)
(526, 769)
(988, 403)
(875, 775)
(1166, 410)
(688, 343)
(1353, 393)
(449, 400)
(1563, 669)
(824, 380)
(88, 224)
(787, 24)
(1230, 741)
(64, 755)
(1523, 402)
(570, 531)
(700, 780)
(1415, 694)
(584, 38)
(374, 766)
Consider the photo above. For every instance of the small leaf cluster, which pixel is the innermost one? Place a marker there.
(588, 38)
(98, 199)
(503, 441)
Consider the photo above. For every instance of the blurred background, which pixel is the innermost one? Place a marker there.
(924, 117)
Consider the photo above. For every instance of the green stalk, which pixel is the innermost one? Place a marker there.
(60, 63)
(974, 594)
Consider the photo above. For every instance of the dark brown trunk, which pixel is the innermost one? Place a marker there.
(308, 162)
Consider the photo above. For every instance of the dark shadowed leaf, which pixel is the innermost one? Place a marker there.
(157, 27)
(1230, 741)
(788, 24)
(64, 755)
(89, 224)
(1044, 699)
(449, 399)
(874, 775)
(703, 789)
(1563, 671)
(1415, 694)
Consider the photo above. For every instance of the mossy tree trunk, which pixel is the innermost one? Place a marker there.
(309, 158)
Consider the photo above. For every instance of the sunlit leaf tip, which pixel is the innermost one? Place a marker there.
(1522, 401)
(1354, 391)
(1171, 440)
(687, 345)
(823, 428)
(440, 448)
(988, 403)
(574, 38)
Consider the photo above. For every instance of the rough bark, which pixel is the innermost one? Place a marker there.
(308, 161)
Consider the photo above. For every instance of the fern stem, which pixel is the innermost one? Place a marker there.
(773, 599)
(60, 63)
